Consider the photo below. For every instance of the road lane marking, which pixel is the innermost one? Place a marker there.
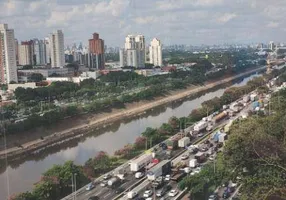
(87, 193)
(98, 193)
(106, 195)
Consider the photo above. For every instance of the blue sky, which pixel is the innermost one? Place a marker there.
(173, 21)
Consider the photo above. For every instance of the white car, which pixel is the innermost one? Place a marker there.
(212, 157)
(89, 187)
(147, 193)
(197, 170)
(184, 157)
(103, 183)
(167, 177)
(172, 193)
(139, 175)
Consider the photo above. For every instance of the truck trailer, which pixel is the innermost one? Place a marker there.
(200, 126)
(161, 169)
(184, 142)
(140, 162)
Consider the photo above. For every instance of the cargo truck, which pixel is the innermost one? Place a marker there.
(219, 117)
(139, 163)
(184, 142)
(161, 169)
(200, 126)
(193, 163)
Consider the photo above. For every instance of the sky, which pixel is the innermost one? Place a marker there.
(190, 22)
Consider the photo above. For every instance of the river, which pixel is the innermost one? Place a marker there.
(24, 173)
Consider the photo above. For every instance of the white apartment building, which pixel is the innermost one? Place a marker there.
(25, 54)
(47, 50)
(133, 53)
(57, 49)
(8, 65)
(155, 52)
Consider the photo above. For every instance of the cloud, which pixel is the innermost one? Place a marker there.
(226, 17)
(272, 25)
(173, 21)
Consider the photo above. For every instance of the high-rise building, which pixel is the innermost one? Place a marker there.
(57, 48)
(47, 50)
(272, 45)
(8, 64)
(133, 53)
(17, 51)
(39, 52)
(25, 53)
(155, 52)
(96, 51)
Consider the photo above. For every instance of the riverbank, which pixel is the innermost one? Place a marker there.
(103, 119)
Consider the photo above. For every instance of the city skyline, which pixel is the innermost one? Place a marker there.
(174, 22)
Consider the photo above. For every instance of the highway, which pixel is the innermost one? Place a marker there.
(177, 159)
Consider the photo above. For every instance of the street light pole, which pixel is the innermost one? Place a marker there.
(75, 185)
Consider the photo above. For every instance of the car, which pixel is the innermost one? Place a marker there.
(167, 177)
(213, 197)
(149, 198)
(161, 192)
(200, 135)
(119, 190)
(103, 183)
(89, 187)
(172, 193)
(212, 157)
(159, 179)
(93, 198)
(204, 149)
(184, 157)
(139, 175)
(107, 176)
(225, 195)
(197, 170)
(147, 193)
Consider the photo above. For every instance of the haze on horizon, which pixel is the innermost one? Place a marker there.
(192, 22)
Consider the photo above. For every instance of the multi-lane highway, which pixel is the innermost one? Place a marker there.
(130, 182)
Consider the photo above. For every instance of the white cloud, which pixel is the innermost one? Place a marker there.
(272, 24)
(226, 17)
(175, 21)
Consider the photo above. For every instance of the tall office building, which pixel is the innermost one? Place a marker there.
(57, 49)
(25, 53)
(155, 52)
(133, 53)
(47, 50)
(96, 51)
(39, 56)
(8, 64)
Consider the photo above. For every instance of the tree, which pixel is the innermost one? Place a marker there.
(166, 129)
(174, 122)
(37, 77)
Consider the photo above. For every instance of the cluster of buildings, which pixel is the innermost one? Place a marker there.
(49, 56)
(135, 54)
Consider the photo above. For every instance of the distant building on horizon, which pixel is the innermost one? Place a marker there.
(155, 52)
(8, 63)
(96, 52)
(133, 53)
(57, 49)
(271, 46)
